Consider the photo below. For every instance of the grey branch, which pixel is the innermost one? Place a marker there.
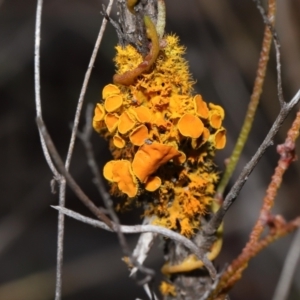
(140, 229)
(85, 137)
(216, 220)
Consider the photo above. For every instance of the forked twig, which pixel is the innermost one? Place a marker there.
(69, 179)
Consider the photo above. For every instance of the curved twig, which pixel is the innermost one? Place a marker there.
(37, 81)
(140, 229)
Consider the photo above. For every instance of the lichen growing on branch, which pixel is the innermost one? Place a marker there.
(163, 138)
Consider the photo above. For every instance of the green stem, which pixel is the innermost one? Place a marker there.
(254, 100)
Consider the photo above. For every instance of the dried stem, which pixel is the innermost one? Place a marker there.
(97, 211)
(254, 100)
(216, 220)
(277, 225)
(69, 179)
(135, 229)
(287, 155)
(268, 22)
(62, 188)
(234, 271)
(85, 138)
(37, 81)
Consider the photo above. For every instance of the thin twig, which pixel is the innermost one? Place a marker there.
(254, 101)
(62, 190)
(289, 269)
(269, 22)
(287, 156)
(135, 229)
(85, 137)
(37, 81)
(276, 224)
(69, 179)
(216, 220)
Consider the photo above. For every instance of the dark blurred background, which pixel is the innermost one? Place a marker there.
(223, 40)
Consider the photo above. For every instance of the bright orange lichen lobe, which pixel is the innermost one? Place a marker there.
(167, 289)
(163, 139)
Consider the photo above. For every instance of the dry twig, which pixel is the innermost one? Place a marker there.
(216, 220)
(276, 224)
(85, 138)
(135, 229)
(61, 180)
(254, 101)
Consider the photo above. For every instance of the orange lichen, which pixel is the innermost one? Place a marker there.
(99, 114)
(150, 157)
(220, 138)
(139, 135)
(163, 138)
(120, 172)
(167, 289)
(118, 141)
(190, 126)
(200, 107)
(126, 122)
(142, 114)
(110, 90)
(113, 102)
(216, 115)
(111, 121)
(152, 183)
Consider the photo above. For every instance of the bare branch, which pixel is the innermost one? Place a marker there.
(37, 81)
(253, 104)
(216, 220)
(62, 190)
(268, 22)
(69, 179)
(138, 229)
(85, 138)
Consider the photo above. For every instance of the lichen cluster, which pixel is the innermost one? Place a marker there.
(163, 139)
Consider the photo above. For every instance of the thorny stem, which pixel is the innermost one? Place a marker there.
(216, 220)
(254, 100)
